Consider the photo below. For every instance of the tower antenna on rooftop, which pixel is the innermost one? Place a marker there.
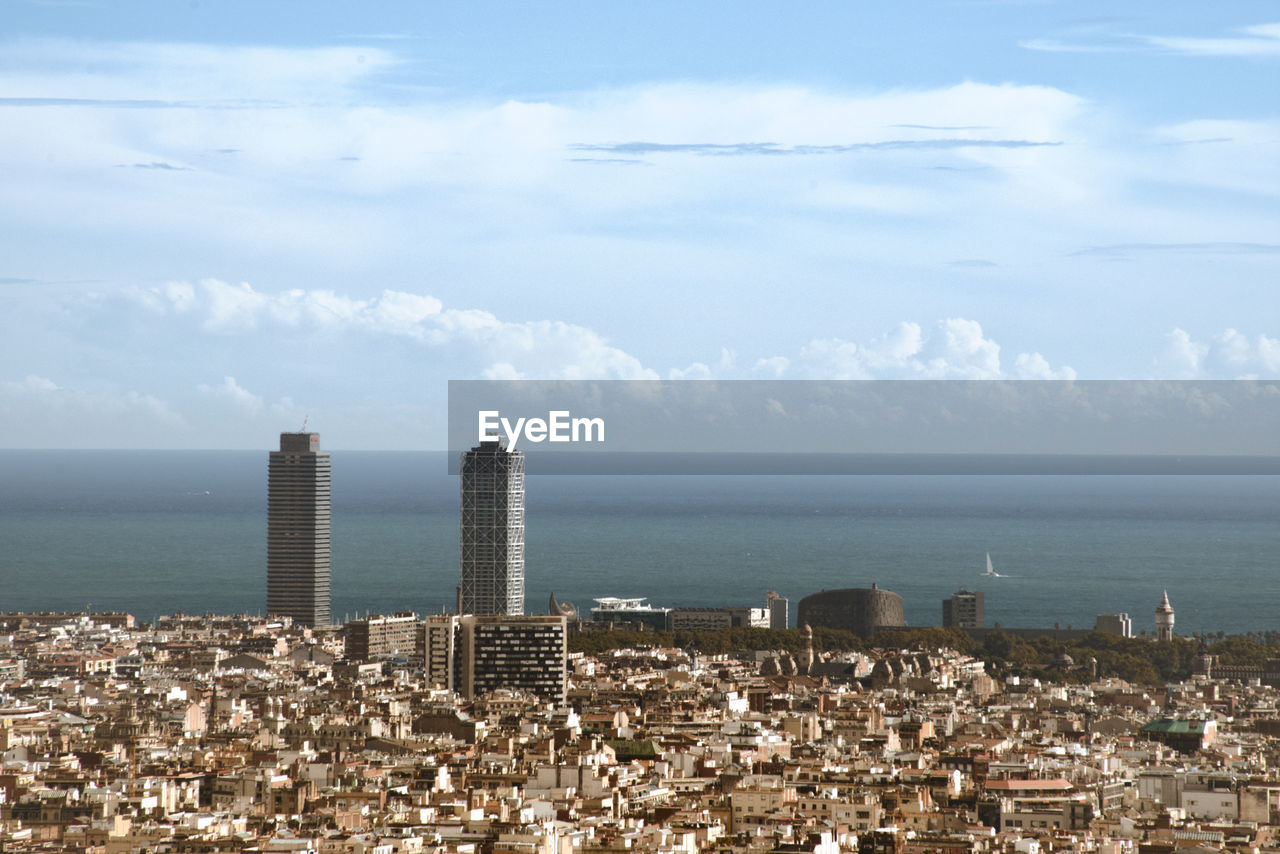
(304, 423)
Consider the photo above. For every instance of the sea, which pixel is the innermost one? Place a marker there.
(158, 532)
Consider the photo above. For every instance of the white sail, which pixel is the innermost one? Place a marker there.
(991, 572)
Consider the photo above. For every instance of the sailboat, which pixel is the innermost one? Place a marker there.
(991, 572)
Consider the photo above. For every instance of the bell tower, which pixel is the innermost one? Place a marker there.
(1164, 619)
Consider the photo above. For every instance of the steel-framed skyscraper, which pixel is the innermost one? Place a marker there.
(491, 575)
(298, 530)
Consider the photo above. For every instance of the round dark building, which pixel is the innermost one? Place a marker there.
(860, 610)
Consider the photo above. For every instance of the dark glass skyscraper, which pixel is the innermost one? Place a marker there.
(491, 576)
(298, 530)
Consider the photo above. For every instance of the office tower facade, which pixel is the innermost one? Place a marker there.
(376, 638)
(779, 615)
(491, 575)
(439, 635)
(964, 610)
(474, 655)
(1164, 618)
(298, 530)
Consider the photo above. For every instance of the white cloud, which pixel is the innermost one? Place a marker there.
(32, 384)
(961, 351)
(1260, 40)
(1181, 358)
(534, 349)
(772, 366)
(722, 368)
(183, 74)
(1033, 366)
(1229, 355)
(37, 412)
(957, 348)
(230, 390)
(695, 371)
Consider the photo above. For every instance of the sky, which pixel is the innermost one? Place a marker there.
(220, 219)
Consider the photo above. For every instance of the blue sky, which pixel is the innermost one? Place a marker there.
(217, 218)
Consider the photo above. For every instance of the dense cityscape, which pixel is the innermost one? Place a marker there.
(632, 727)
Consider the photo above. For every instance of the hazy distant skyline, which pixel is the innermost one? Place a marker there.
(220, 218)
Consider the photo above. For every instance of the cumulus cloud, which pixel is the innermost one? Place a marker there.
(31, 384)
(1033, 366)
(894, 353)
(772, 366)
(37, 412)
(540, 349)
(695, 371)
(231, 391)
(721, 368)
(1228, 355)
(961, 351)
(1181, 357)
(955, 348)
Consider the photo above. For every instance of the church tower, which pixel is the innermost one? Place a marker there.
(1164, 619)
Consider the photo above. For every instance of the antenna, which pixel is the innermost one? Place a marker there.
(304, 423)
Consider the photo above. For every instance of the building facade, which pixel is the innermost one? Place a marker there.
(298, 564)
(699, 619)
(1114, 624)
(860, 610)
(635, 611)
(779, 615)
(376, 638)
(475, 655)
(964, 610)
(491, 574)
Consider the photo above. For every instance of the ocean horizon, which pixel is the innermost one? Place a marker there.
(154, 532)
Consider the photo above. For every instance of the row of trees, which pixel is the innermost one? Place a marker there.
(1141, 660)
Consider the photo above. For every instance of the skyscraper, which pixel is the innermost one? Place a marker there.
(298, 530)
(491, 576)
(777, 605)
(964, 610)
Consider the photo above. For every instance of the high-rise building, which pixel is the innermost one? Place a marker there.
(491, 576)
(1164, 618)
(964, 610)
(439, 639)
(298, 530)
(778, 612)
(476, 655)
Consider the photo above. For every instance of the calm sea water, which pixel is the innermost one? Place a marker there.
(152, 532)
